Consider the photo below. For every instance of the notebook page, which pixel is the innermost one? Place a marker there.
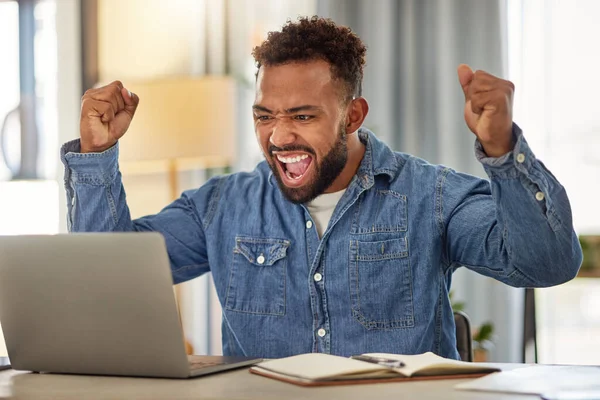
(318, 366)
(431, 364)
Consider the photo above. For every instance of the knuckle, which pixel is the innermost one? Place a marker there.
(85, 103)
(87, 94)
(108, 110)
(99, 105)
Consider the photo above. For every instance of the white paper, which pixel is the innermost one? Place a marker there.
(540, 380)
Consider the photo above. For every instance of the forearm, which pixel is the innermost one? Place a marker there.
(96, 203)
(535, 214)
(95, 194)
(518, 229)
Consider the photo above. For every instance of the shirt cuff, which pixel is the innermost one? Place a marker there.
(518, 161)
(90, 168)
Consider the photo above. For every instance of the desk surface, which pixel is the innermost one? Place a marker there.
(239, 384)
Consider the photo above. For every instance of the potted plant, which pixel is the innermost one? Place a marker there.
(482, 337)
(483, 342)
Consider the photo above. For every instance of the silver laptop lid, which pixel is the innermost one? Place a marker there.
(92, 303)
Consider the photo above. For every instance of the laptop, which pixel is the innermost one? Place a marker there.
(97, 304)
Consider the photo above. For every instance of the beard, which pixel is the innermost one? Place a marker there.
(324, 172)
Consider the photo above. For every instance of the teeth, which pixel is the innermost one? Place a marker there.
(290, 160)
(287, 173)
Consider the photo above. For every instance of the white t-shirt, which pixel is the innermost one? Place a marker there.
(321, 209)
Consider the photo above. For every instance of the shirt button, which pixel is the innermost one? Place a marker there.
(308, 224)
(520, 158)
(321, 332)
(318, 277)
(73, 201)
(260, 259)
(539, 196)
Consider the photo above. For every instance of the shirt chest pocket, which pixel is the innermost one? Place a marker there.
(257, 278)
(380, 211)
(381, 284)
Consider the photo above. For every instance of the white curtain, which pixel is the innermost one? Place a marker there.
(554, 60)
(554, 63)
(414, 47)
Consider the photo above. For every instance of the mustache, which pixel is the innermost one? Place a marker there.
(295, 147)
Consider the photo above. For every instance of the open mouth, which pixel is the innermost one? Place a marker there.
(294, 167)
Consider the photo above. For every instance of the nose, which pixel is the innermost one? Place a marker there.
(282, 134)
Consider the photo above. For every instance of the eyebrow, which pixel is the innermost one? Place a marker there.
(292, 110)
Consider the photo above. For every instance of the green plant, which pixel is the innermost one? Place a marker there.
(483, 337)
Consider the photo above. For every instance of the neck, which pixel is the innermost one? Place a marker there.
(356, 151)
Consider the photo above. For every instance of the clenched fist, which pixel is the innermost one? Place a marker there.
(106, 113)
(488, 109)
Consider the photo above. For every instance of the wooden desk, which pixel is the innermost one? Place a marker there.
(239, 384)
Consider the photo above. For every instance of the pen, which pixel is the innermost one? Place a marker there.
(386, 362)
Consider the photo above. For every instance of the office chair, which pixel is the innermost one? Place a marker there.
(464, 338)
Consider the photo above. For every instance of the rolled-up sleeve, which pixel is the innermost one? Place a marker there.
(517, 227)
(97, 203)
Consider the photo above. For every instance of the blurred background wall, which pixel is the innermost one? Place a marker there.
(51, 51)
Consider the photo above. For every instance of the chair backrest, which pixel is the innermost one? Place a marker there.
(464, 338)
(530, 350)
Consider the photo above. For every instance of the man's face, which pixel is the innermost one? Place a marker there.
(299, 123)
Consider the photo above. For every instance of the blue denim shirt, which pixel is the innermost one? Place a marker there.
(385, 261)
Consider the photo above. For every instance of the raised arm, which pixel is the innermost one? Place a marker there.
(95, 195)
(518, 227)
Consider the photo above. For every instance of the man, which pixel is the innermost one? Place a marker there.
(335, 243)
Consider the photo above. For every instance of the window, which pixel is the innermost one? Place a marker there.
(28, 161)
(28, 96)
(9, 80)
(554, 64)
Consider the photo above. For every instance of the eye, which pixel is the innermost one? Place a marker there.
(303, 117)
(263, 118)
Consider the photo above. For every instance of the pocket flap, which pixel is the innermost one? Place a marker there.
(261, 251)
(382, 250)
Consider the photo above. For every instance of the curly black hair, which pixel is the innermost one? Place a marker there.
(317, 38)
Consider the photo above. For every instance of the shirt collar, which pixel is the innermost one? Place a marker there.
(379, 159)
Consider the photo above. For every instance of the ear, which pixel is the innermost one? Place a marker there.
(356, 113)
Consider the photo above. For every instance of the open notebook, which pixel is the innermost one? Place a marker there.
(317, 369)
